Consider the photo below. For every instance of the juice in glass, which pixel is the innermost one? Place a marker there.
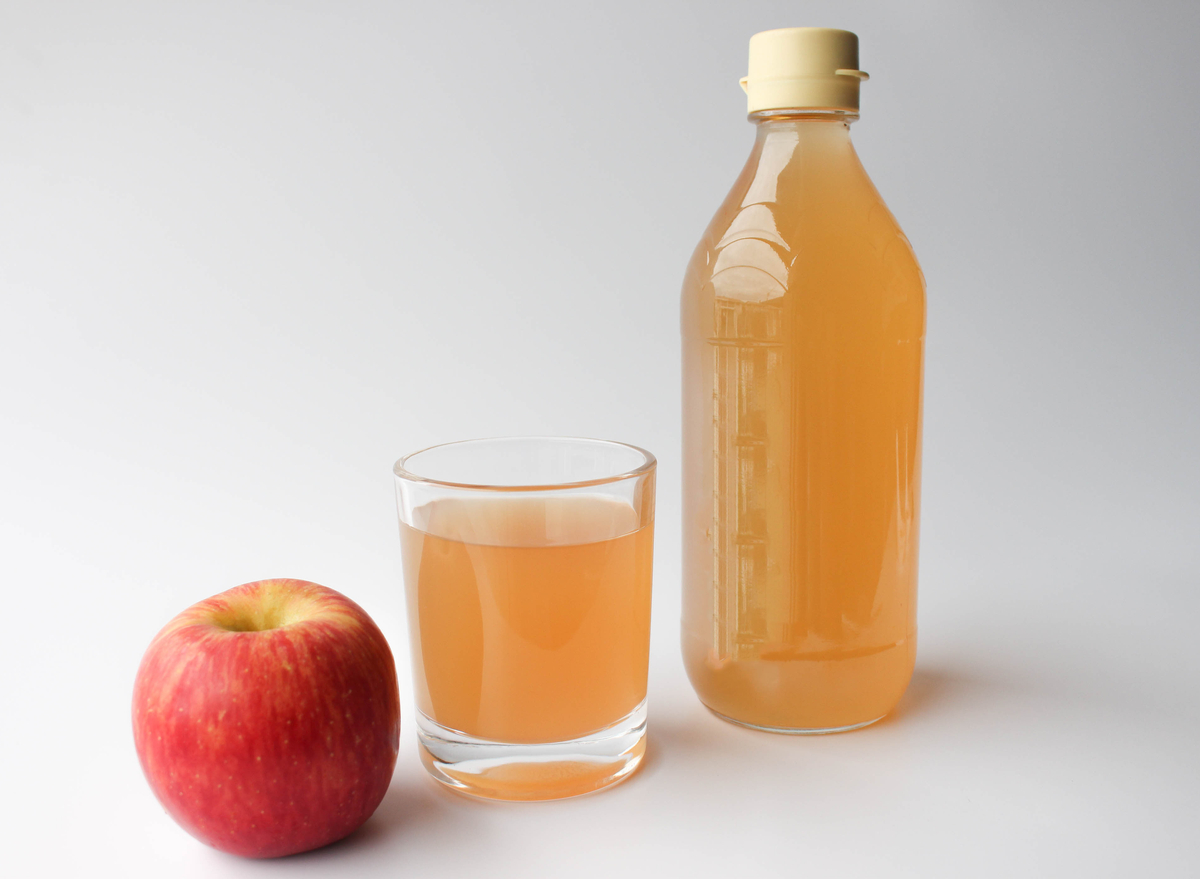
(532, 614)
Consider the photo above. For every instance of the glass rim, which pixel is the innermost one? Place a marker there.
(649, 463)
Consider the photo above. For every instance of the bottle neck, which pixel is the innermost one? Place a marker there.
(777, 129)
(808, 119)
(806, 114)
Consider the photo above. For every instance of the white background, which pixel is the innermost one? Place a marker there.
(252, 252)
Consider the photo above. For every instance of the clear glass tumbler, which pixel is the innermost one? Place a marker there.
(527, 565)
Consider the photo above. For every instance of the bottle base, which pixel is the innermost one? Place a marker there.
(542, 771)
(797, 695)
(789, 731)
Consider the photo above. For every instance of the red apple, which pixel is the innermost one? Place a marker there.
(267, 718)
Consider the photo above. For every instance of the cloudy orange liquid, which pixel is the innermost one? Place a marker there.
(803, 334)
(529, 616)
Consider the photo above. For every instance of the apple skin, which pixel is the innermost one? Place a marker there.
(267, 718)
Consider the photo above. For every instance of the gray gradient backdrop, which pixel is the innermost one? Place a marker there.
(252, 252)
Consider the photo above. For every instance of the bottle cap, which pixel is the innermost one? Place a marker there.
(803, 67)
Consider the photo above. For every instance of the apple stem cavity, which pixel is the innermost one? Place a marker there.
(261, 610)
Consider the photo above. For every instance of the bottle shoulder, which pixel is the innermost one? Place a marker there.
(781, 229)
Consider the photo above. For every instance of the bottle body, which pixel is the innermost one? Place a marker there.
(803, 323)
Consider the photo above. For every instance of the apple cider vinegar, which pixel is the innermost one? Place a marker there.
(531, 615)
(803, 332)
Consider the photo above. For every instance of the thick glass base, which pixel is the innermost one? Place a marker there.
(549, 771)
(797, 732)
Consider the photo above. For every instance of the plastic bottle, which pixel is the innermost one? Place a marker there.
(803, 327)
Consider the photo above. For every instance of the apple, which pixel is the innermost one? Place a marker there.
(267, 718)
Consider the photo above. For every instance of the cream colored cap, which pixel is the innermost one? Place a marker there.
(795, 67)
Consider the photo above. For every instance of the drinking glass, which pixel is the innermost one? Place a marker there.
(527, 566)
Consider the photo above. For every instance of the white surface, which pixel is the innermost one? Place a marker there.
(251, 253)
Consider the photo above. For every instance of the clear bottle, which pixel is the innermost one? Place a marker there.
(803, 326)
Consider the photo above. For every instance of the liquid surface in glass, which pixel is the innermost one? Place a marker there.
(803, 326)
(529, 616)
